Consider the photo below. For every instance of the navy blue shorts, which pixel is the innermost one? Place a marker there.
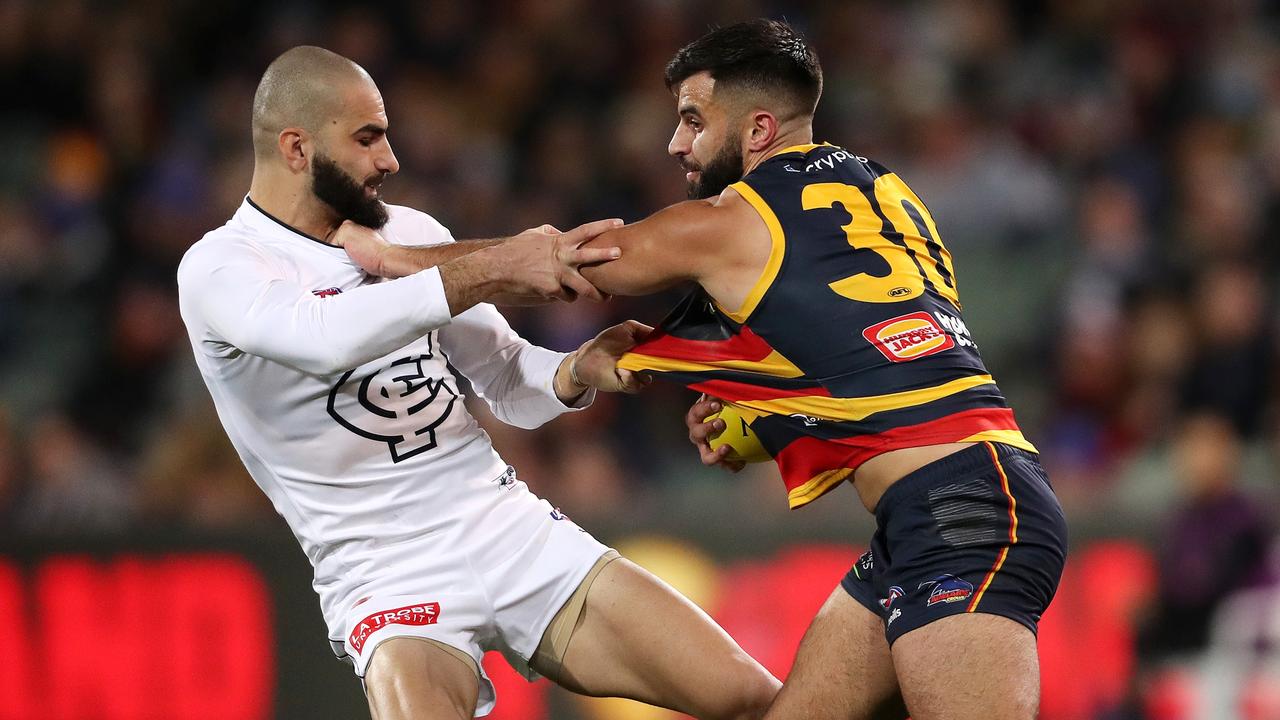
(977, 531)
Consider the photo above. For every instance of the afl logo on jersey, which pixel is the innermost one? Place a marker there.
(398, 404)
(908, 337)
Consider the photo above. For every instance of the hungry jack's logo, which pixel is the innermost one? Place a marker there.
(908, 337)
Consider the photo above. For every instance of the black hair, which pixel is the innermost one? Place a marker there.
(761, 55)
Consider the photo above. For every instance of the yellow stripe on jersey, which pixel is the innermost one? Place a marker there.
(804, 148)
(774, 263)
(817, 486)
(773, 365)
(860, 408)
(1005, 437)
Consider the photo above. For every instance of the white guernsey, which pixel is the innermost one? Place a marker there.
(337, 391)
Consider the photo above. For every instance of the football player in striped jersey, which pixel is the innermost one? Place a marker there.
(825, 312)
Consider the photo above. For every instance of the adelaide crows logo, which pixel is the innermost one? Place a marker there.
(398, 404)
(946, 589)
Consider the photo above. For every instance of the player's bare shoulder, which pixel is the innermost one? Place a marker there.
(741, 249)
(739, 213)
(722, 226)
(743, 219)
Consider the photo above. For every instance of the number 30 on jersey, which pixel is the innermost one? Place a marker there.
(900, 230)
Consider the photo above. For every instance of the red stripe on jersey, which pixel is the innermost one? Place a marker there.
(746, 345)
(806, 457)
(734, 391)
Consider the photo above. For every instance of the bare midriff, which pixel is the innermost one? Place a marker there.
(875, 476)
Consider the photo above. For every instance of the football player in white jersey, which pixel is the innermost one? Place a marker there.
(338, 391)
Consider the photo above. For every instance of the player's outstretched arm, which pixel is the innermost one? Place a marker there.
(537, 263)
(247, 302)
(378, 257)
(711, 242)
(672, 246)
(243, 299)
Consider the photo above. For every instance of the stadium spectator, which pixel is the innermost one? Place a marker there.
(1215, 543)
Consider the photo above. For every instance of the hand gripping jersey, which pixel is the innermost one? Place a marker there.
(851, 342)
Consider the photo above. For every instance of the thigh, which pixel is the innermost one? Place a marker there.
(974, 666)
(975, 556)
(399, 633)
(638, 638)
(843, 669)
(412, 678)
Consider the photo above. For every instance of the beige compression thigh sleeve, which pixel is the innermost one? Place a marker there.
(555, 641)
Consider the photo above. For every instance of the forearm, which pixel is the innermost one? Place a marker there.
(472, 271)
(473, 278)
(399, 261)
(523, 384)
(536, 386)
(568, 388)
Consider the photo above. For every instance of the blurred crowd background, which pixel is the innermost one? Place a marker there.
(1106, 173)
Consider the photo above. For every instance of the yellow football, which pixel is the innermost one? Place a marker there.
(738, 435)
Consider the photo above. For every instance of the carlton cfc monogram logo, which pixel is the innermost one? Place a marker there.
(908, 337)
(398, 404)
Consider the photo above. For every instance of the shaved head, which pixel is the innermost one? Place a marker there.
(320, 140)
(301, 88)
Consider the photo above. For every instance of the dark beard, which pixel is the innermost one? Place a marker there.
(344, 195)
(723, 170)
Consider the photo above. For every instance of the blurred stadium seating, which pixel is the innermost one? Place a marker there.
(1107, 175)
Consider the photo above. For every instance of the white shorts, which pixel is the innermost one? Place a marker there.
(477, 606)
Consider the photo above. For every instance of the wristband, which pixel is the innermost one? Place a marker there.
(573, 371)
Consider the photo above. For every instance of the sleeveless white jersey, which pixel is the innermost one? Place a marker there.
(335, 389)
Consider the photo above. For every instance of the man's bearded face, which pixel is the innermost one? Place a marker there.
(348, 197)
(724, 169)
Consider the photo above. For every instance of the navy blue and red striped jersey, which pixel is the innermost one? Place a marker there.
(851, 342)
